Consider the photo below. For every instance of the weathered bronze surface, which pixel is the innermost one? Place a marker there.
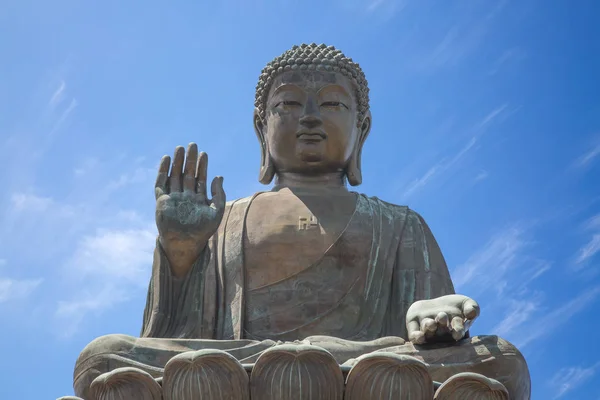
(306, 290)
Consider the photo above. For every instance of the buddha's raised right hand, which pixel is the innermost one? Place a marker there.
(185, 217)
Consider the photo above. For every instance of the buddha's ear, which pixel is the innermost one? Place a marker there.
(267, 172)
(354, 172)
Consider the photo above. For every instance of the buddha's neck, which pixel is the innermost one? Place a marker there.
(329, 181)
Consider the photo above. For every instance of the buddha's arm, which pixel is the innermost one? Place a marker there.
(187, 223)
(420, 272)
(420, 253)
(435, 313)
(175, 305)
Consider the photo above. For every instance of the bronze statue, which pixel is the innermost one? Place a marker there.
(307, 287)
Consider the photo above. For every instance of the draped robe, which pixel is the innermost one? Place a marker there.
(211, 308)
(401, 263)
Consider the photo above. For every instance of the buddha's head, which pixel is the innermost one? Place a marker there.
(312, 114)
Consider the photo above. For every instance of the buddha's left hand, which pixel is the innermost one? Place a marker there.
(441, 319)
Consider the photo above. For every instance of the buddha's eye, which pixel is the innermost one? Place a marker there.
(288, 103)
(334, 104)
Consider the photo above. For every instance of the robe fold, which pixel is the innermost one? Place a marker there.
(400, 265)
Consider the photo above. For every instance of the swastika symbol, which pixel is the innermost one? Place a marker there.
(305, 223)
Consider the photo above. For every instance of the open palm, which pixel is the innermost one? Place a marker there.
(185, 216)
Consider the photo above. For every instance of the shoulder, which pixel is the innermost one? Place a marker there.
(405, 218)
(403, 211)
(238, 202)
(234, 213)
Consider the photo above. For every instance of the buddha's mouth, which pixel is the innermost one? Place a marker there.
(311, 136)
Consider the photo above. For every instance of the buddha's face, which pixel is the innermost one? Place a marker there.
(311, 122)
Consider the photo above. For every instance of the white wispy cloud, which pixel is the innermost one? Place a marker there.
(64, 115)
(88, 165)
(541, 268)
(31, 206)
(447, 163)
(588, 157)
(388, 6)
(374, 4)
(106, 268)
(501, 274)
(30, 202)
(91, 253)
(376, 10)
(568, 379)
(58, 94)
(550, 321)
(57, 111)
(419, 183)
(488, 267)
(17, 289)
(461, 39)
(589, 250)
(105, 265)
(592, 223)
(509, 56)
(482, 175)
(518, 312)
(115, 255)
(51, 106)
(105, 251)
(72, 313)
(489, 118)
(138, 175)
(453, 47)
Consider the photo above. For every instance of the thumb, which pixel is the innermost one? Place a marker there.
(218, 194)
(470, 309)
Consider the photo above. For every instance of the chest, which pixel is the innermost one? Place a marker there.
(286, 233)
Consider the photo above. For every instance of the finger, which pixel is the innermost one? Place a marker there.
(417, 337)
(201, 174)
(442, 319)
(414, 333)
(471, 309)
(189, 172)
(458, 328)
(218, 194)
(160, 187)
(428, 325)
(443, 324)
(176, 169)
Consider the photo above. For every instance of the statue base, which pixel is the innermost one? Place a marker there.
(291, 372)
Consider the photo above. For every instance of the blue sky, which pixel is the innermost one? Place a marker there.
(486, 120)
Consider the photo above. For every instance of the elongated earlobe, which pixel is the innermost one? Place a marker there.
(354, 172)
(267, 171)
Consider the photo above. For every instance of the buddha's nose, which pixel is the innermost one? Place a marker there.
(311, 121)
(311, 117)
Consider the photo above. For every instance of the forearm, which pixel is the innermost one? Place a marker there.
(181, 252)
(174, 304)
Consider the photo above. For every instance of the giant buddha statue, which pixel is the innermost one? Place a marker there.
(305, 291)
